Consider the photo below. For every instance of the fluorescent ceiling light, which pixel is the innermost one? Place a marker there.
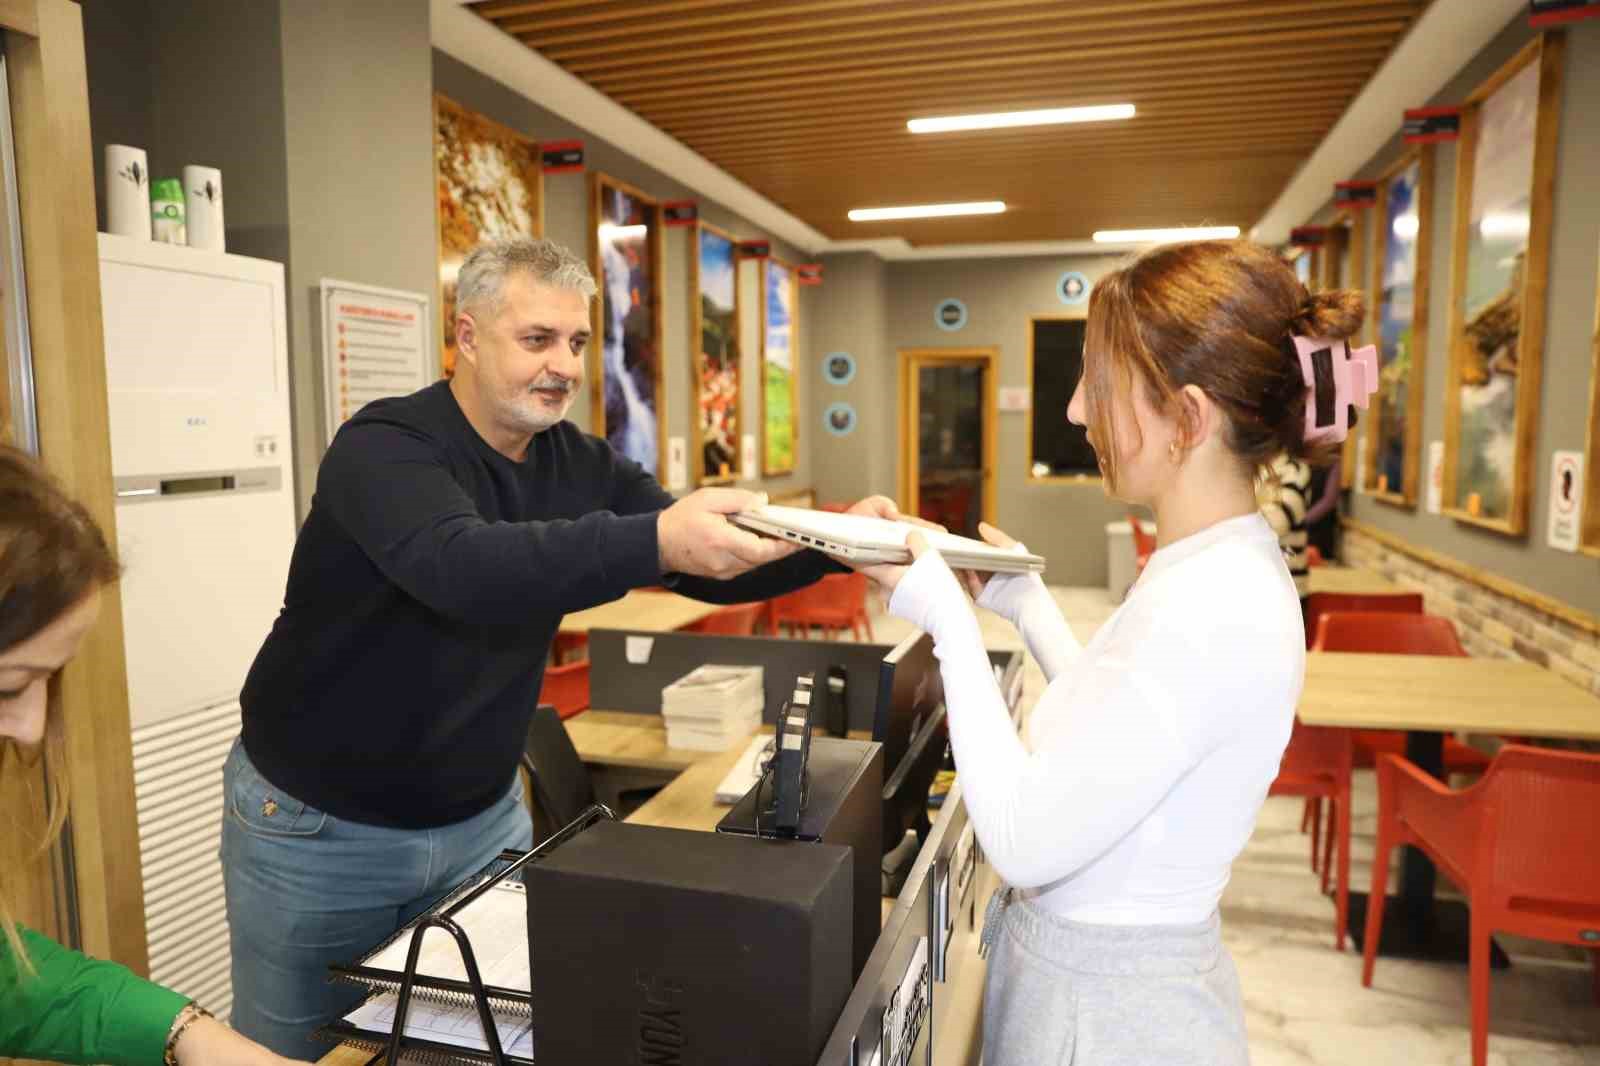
(1166, 236)
(1006, 119)
(884, 214)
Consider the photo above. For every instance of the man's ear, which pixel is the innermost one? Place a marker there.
(467, 338)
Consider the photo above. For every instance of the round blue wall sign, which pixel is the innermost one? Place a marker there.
(1072, 288)
(839, 368)
(839, 419)
(950, 315)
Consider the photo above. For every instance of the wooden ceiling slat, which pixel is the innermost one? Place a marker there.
(777, 49)
(806, 100)
(769, 35)
(1218, 131)
(893, 121)
(619, 10)
(1217, 128)
(776, 133)
(1196, 48)
(975, 91)
(558, 33)
(977, 48)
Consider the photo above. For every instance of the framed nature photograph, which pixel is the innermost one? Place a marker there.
(714, 322)
(490, 185)
(780, 423)
(1398, 304)
(1505, 167)
(630, 380)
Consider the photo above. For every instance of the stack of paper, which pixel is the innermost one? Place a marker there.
(712, 708)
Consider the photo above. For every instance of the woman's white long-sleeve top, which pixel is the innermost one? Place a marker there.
(1147, 757)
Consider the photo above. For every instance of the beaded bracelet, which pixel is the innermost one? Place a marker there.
(186, 1017)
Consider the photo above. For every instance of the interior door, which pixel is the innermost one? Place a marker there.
(947, 437)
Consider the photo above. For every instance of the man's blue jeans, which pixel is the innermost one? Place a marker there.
(306, 889)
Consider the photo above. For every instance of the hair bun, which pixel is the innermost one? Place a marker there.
(1332, 313)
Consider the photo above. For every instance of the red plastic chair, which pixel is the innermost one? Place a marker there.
(566, 688)
(1321, 603)
(1392, 632)
(1316, 765)
(1144, 545)
(836, 603)
(739, 621)
(1523, 844)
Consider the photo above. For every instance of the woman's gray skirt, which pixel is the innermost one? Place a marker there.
(1063, 992)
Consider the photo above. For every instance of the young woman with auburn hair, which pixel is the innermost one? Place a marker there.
(56, 1004)
(1115, 818)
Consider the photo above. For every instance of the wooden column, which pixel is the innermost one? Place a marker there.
(55, 178)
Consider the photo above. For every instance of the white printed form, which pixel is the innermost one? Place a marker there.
(455, 1025)
(496, 924)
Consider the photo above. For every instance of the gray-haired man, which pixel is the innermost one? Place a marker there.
(384, 716)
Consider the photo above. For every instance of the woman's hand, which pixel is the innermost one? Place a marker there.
(887, 575)
(973, 581)
(208, 1042)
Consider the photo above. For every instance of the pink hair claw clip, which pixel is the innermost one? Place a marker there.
(1339, 376)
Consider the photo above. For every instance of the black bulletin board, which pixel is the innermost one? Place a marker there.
(1060, 449)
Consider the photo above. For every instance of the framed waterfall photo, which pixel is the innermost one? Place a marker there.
(1399, 307)
(1505, 170)
(780, 417)
(714, 322)
(630, 378)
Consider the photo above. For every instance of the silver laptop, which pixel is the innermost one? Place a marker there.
(877, 540)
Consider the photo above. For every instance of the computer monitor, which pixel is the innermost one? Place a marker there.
(909, 722)
(909, 688)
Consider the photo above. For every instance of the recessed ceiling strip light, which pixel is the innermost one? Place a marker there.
(1054, 116)
(886, 214)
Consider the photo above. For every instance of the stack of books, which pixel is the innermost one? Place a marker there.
(713, 708)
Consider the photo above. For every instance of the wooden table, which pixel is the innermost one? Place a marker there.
(643, 609)
(1350, 580)
(1428, 696)
(629, 740)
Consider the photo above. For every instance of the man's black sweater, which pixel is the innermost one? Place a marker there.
(425, 588)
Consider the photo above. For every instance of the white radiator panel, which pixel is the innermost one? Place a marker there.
(177, 784)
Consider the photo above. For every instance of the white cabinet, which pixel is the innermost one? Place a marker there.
(198, 386)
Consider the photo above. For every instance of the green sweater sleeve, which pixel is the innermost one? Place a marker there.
(76, 1009)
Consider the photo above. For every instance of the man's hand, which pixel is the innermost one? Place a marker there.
(883, 507)
(696, 537)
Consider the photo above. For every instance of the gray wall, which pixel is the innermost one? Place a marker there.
(1566, 384)
(566, 219)
(1065, 523)
(325, 107)
(358, 130)
(850, 316)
